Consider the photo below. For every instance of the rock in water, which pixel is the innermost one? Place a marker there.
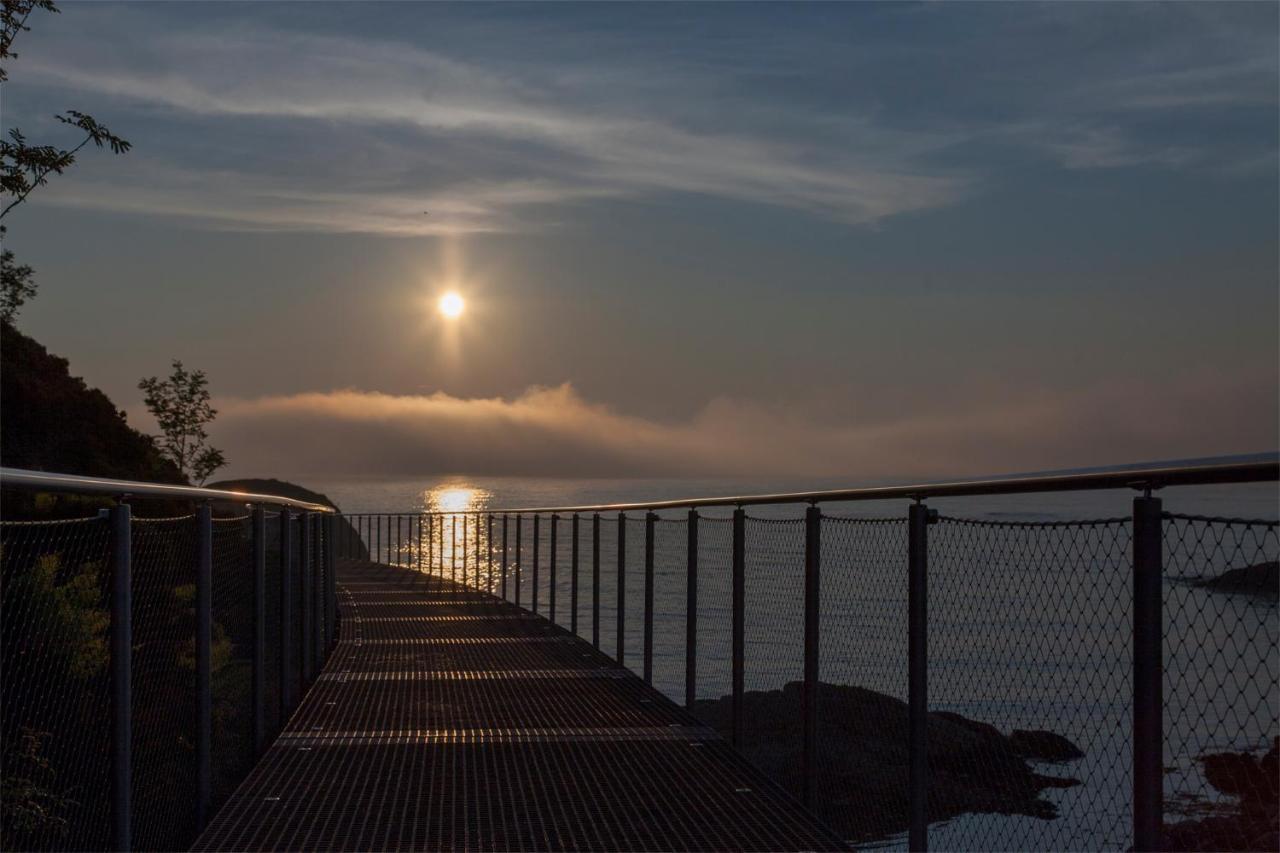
(1261, 580)
(1044, 746)
(863, 759)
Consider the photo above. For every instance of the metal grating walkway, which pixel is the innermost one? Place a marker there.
(447, 720)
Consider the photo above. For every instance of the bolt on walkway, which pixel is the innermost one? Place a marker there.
(451, 720)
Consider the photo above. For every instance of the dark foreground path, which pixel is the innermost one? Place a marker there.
(447, 720)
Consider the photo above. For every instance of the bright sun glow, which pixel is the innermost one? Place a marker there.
(454, 499)
(451, 304)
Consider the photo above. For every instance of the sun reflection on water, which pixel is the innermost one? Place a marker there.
(458, 546)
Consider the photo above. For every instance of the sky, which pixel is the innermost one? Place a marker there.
(856, 240)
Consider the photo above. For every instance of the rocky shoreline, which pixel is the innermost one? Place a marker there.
(863, 761)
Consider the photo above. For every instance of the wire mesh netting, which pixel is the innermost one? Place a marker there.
(633, 598)
(715, 592)
(56, 580)
(164, 683)
(608, 586)
(1029, 661)
(231, 662)
(54, 630)
(862, 765)
(1221, 683)
(272, 640)
(670, 572)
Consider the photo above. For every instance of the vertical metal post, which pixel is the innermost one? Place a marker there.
(551, 571)
(519, 558)
(286, 616)
(738, 641)
(812, 599)
(204, 657)
(259, 689)
(453, 552)
(691, 614)
(573, 576)
(649, 520)
(321, 575)
(534, 593)
(918, 522)
(620, 657)
(121, 676)
(305, 605)
(1148, 674)
(431, 565)
(331, 591)
(504, 557)
(488, 550)
(440, 550)
(595, 580)
(464, 549)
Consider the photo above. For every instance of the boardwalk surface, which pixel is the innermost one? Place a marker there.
(451, 723)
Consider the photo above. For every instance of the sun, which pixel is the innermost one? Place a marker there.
(451, 304)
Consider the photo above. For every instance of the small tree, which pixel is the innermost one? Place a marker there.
(16, 286)
(181, 407)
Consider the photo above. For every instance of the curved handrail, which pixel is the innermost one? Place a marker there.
(73, 483)
(1156, 477)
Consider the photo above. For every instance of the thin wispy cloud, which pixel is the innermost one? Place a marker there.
(341, 87)
(494, 138)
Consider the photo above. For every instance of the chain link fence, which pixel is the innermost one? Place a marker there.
(1028, 637)
(202, 705)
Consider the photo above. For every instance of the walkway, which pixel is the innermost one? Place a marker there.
(448, 720)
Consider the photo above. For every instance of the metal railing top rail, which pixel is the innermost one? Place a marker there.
(72, 483)
(1129, 478)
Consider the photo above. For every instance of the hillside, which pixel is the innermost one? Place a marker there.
(52, 421)
(272, 487)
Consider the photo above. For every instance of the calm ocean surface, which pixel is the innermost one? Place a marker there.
(1029, 626)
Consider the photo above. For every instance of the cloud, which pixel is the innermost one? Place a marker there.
(517, 142)
(553, 431)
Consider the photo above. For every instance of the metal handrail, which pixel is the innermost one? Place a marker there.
(1150, 478)
(73, 483)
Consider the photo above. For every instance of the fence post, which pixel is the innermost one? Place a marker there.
(812, 600)
(306, 605)
(573, 577)
(464, 550)
(259, 629)
(551, 570)
(504, 556)
(622, 588)
(918, 522)
(286, 615)
(519, 557)
(691, 614)
(453, 553)
(595, 580)
(1148, 674)
(204, 641)
(331, 590)
(534, 592)
(649, 520)
(121, 675)
(738, 622)
(488, 551)
(440, 550)
(321, 575)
